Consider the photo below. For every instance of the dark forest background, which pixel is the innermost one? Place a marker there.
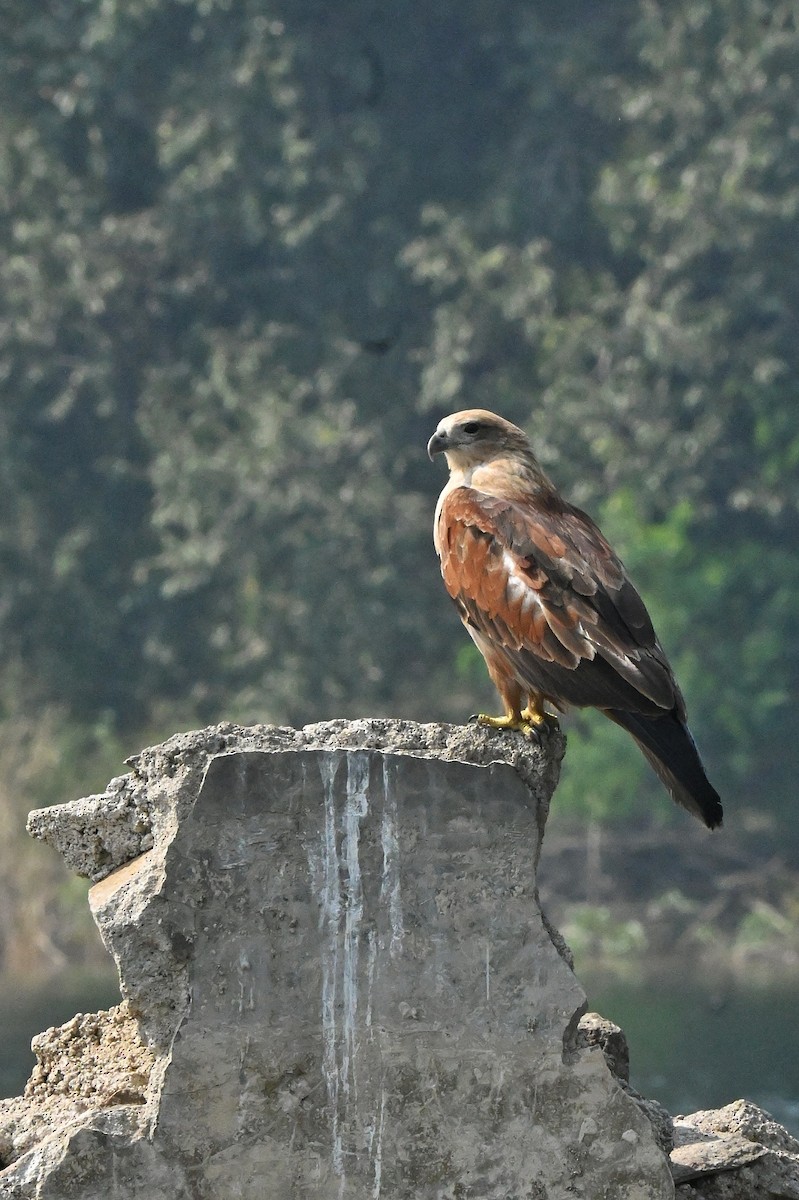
(253, 250)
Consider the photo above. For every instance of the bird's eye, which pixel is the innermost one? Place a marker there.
(472, 427)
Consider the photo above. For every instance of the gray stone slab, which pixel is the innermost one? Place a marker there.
(338, 962)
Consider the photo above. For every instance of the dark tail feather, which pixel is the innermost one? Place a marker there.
(671, 751)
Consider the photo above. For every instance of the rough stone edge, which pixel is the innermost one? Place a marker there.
(98, 834)
(594, 1030)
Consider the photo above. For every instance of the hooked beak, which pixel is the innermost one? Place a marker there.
(437, 445)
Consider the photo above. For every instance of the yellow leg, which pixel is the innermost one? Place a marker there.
(527, 720)
(515, 721)
(535, 714)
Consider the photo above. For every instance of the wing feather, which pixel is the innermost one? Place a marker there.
(541, 585)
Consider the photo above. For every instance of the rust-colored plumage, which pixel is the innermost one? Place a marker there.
(550, 606)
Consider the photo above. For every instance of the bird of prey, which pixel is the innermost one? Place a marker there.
(550, 606)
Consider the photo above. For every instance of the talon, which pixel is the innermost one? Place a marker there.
(538, 717)
(515, 722)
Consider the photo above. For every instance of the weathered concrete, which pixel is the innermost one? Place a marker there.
(341, 977)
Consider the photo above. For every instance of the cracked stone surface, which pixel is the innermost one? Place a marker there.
(337, 982)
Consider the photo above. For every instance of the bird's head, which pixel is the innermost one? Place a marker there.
(476, 436)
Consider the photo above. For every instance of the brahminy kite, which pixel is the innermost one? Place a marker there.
(550, 606)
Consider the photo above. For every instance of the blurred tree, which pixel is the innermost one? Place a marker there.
(702, 208)
(212, 431)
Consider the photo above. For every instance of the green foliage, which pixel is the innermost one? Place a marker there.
(764, 926)
(594, 933)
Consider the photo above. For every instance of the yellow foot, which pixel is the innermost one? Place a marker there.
(518, 723)
(537, 717)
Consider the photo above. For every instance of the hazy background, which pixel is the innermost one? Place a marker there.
(252, 251)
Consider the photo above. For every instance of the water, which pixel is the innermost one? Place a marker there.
(691, 1046)
(695, 1046)
(25, 1011)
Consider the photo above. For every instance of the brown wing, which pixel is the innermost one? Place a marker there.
(542, 585)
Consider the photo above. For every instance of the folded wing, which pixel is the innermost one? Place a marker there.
(542, 586)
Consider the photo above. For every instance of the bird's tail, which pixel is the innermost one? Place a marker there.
(671, 751)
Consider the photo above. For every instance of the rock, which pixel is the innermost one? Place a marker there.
(594, 1030)
(97, 834)
(96, 1061)
(744, 1119)
(734, 1153)
(337, 982)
